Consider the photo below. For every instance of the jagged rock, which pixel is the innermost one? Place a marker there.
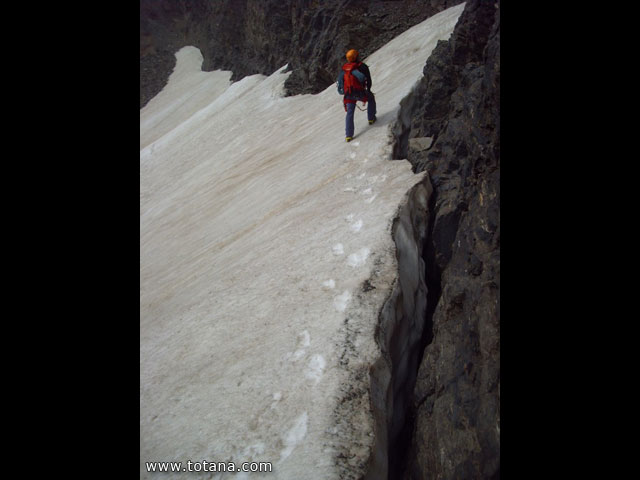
(457, 395)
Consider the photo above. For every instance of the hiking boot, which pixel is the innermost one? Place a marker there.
(349, 139)
(371, 122)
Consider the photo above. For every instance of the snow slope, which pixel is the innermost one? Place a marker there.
(258, 227)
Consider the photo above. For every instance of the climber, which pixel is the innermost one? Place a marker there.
(354, 82)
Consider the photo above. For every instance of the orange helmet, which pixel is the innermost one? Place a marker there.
(352, 55)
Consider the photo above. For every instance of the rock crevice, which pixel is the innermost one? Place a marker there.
(399, 335)
(437, 400)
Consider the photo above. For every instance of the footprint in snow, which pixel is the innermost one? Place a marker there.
(359, 258)
(341, 301)
(294, 436)
(304, 340)
(277, 396)
(356, 226)
(330, 284)
(252, 451)
(315, 368)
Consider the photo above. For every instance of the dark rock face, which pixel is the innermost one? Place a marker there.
(456, 424)
(324, 31)
(244, 36)
(260, 36)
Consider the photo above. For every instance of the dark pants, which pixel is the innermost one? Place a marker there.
(351, 108)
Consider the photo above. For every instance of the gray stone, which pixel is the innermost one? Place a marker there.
(456, 432)
(420, 144)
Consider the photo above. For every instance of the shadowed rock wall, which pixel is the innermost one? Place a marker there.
(450, 127)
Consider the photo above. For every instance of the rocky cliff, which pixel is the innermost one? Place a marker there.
(450, 127)
(443, 420)
(260, 36)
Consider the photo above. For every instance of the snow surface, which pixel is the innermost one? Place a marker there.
(258, 225)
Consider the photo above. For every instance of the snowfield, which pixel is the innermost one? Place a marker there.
(259, 225)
